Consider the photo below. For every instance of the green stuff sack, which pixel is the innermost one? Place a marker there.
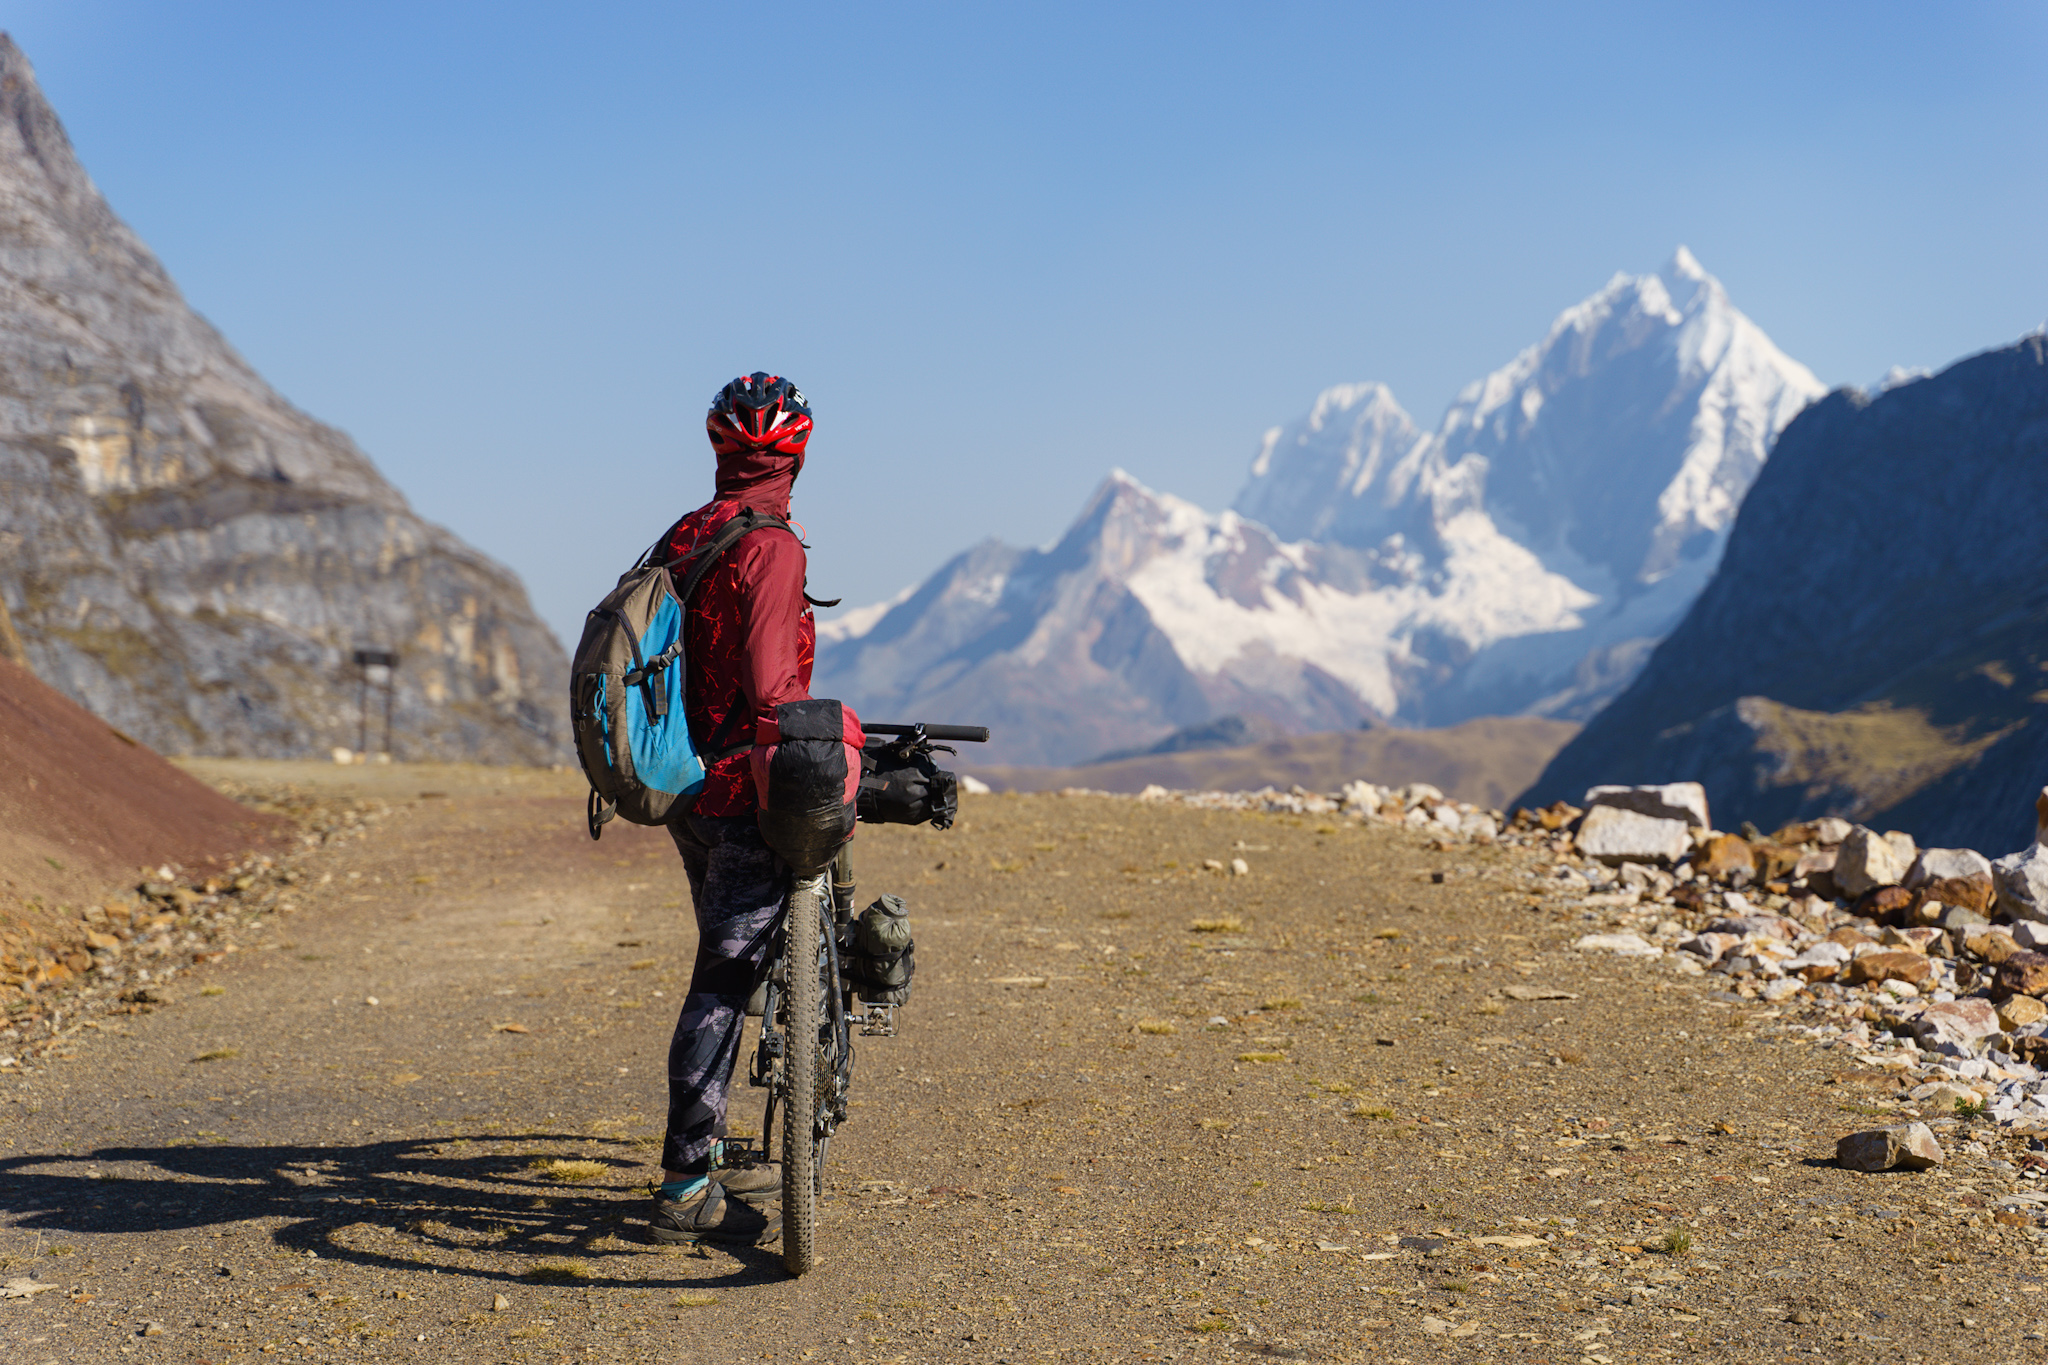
(882, 959)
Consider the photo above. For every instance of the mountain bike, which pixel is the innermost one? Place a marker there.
(810, 1014)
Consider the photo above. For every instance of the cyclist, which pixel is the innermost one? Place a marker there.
(749, 639)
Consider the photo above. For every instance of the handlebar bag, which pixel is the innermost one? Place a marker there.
(900, 785)
(806, 763)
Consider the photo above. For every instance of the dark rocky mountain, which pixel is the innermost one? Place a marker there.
(185, 553)
(1875, 643)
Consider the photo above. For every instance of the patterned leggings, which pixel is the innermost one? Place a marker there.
(737, 886)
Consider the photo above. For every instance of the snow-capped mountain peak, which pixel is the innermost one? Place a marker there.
(1523, 556)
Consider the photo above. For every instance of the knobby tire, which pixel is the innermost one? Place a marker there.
(805, 1005)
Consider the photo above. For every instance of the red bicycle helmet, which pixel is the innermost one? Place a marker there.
(759, 412)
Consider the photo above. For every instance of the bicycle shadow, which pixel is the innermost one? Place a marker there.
(460, 1205)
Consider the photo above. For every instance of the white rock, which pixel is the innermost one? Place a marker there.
(1783, 989)
(1415, 793)
(1447, 816)
(1829, 831)
(972, 785)
(1821, 954)
(1867, 861)
(1902, 844)
(1479, 825)
(1957, 1021)
(1615, 834)
(1154, 792)
(2022, 882)
(1682, 801)
(1626, 945)
(1361, 796)
(2030, 934)
(1947, 864)
(1642, 878)
(1240, 868)
(1943, 1095)
(1712, 947)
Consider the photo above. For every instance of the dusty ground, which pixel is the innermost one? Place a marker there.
(1104, 1134)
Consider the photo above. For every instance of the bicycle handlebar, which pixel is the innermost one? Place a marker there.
(965, 734)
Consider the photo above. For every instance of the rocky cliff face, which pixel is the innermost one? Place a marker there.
(1875, 643)
(187, 554)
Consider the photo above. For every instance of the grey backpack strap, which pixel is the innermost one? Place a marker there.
(745, 522)
(707, 555)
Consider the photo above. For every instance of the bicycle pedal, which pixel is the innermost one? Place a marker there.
(878, 1021)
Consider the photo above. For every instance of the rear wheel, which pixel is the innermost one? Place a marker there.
(804, 1004)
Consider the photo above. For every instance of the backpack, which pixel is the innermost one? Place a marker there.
(626, 695)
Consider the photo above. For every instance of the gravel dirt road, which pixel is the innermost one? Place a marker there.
(1140, 1110)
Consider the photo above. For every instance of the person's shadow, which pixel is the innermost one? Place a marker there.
(458, 1205)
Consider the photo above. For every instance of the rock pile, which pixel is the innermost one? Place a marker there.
(1932, 962)
(1417, 806)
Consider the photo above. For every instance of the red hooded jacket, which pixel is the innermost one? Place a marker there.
(748, 635)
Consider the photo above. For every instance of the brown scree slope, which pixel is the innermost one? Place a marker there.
(83, 806)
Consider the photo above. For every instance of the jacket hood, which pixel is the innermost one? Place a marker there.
(760, 479)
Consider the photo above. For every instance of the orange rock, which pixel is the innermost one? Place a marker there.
(2024, 973)
(1884, 902)
(1972, 893)
(1722, 856)
(1775, 861)
(1993, 945)
(1912, 968)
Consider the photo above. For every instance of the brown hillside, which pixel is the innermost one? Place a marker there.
(1484, 761)
(83, 807)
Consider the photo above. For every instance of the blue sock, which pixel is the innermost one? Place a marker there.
(683, 1189)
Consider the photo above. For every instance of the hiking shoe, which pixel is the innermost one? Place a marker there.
(708, 1216)
(757, 1184)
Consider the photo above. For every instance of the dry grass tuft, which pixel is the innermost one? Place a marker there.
(219, 1054)
(1227, 924)
(568, 1171)
(1158, 1026)
(1378, 1112)
(559, 1272)
(1281, 1002)
(1262, 1056)
(692, 1299)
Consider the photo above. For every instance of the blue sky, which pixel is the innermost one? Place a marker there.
(513, 248)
